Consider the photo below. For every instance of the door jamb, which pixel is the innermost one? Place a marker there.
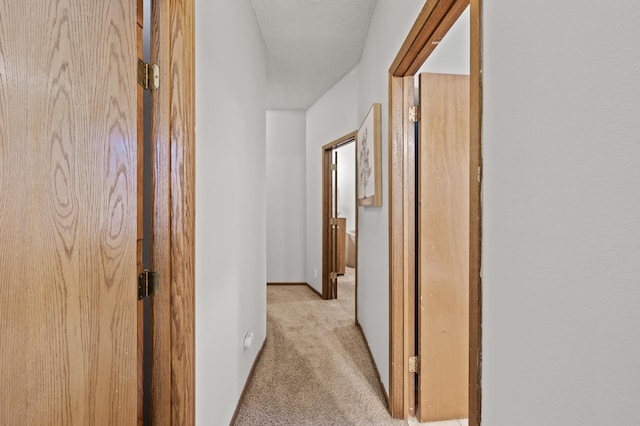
(326, 215)
(434, 20)
(173, 249)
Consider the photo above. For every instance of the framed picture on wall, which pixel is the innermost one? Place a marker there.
(368, 159)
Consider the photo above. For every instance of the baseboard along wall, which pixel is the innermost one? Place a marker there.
(246, 383)
(373, 361)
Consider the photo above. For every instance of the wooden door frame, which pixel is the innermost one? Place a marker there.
(173, 249)
(433, 22)
(326, 214)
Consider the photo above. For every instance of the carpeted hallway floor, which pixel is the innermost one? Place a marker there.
(315, 368)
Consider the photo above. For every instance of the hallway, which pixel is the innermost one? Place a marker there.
(315, 368)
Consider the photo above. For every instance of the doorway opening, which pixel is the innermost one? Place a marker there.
(434, 184)
(339, 220)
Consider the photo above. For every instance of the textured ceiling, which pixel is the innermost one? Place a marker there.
(311, 45)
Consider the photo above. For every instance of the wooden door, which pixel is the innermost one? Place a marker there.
(68, 212)
(443, 223)
(334, 227)
(140, 213)
(329, 215)
(341, 244)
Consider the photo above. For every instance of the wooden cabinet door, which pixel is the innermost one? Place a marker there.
(68, 212)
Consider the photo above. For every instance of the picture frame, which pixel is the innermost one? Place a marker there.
(369, 159)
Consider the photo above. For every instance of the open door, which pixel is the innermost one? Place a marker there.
(68, 172)
(428, 31)
(333, 227)
(443, 247)
(337, 238)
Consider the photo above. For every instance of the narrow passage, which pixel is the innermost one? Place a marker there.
(315, 368)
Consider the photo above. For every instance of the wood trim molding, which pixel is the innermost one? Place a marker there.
(161, 244)
(397, 405)
(355, 284)
(433, 22)
(341, 141)
(326, 207)
(234, 419)
(326, 217)
(409, 237)
(402, 232)
(182, 161)
(431, 25)
(475, 219)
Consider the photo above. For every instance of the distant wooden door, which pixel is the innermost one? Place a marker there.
(330, 220)
(334, 227)
(443, 271)
(68, 212)
(341, 244)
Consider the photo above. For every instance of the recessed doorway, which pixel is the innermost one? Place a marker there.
(339, 220)
(434, 224)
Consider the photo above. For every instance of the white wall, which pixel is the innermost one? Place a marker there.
(334, 115)
(347, 184)
(389, 28)
(561, 218)
(286, 196)
(230, 203)
(453, 53)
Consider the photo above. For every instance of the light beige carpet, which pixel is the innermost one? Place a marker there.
(315, 368)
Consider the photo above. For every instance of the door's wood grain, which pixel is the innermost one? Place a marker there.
(68, 212)
(397, 361)
(140, 12)
(429, 27)
(433, 22)
(327, 213)
(160, 248)
(475, 217)
(409, 243)
(444, 247)
(341, 235)
(334, 228)
(182, 286)
(140, 220)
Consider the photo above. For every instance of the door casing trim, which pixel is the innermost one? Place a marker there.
(434, 20)
(173, 248)
(326, 214)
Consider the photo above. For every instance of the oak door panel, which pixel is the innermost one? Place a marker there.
(68, 212)
(443, 221)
